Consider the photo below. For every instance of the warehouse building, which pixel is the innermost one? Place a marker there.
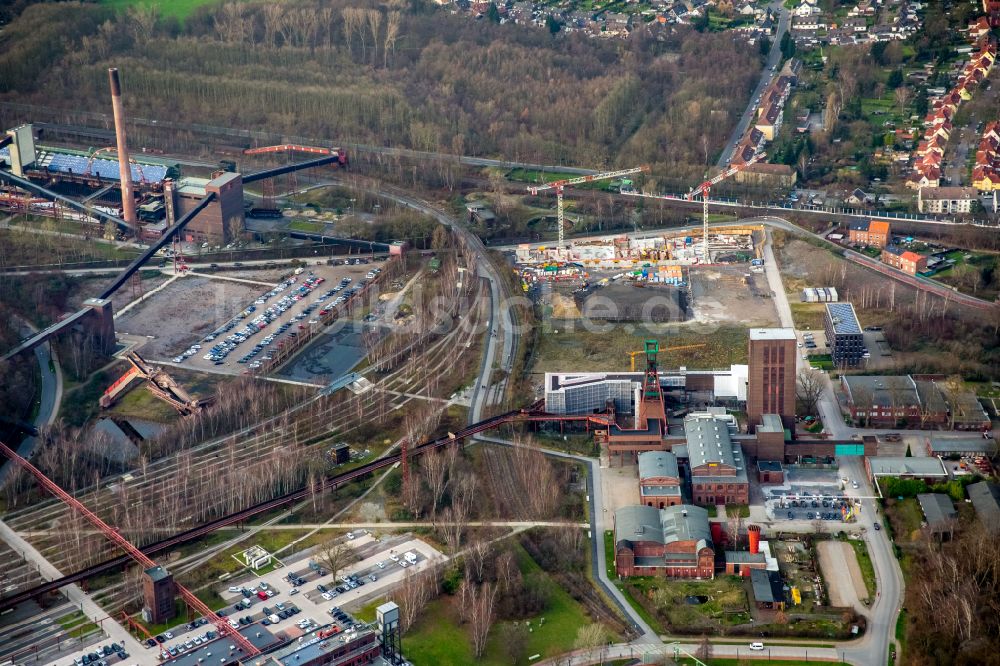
(718, 470)
(930, 470)
(659, 479)
(675, 542)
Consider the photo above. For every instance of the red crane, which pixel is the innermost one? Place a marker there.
(703, 190)
(137, 555)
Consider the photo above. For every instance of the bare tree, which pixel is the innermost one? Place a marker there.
(808, 389)
(413, 594)
(435, 466)
(392, 24)
(902, 95)
(481, 613)
(704, 651)
(591, 635)
(335, 555)
(476, 557)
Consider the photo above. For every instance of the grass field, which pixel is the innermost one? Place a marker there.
(307, 225)
(579, 349)
(77, 625)
(179, 8)
(865, 563)
(439, 638)
(726, 602)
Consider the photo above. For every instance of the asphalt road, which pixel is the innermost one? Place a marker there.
(773, 58)
(49, 398)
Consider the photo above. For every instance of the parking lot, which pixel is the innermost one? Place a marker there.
(811, 494)
(253, 335)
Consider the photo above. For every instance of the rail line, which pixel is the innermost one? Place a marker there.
(514, 416)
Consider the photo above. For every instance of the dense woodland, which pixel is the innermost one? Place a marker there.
(411, 75)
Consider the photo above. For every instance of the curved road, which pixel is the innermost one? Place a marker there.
(49, 400)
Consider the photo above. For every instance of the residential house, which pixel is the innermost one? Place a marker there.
(946, 199)
(905, 260)
(860, 198)
(875, 233)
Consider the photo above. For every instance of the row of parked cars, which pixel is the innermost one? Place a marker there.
(188, 645)
(99, 657)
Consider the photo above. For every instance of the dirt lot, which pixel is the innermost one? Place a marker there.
(718, 295)
(194, 306)
(620, 487)
(842, 574)
(184, 312)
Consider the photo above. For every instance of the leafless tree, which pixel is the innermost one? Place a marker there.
(590, 636)
(481, 613)
(392, 24)
(374, 18)
(704, 651)
(902, 95)
(435, 465)
(808, 389)
(476, 557)
(413, 595)
(335, 555)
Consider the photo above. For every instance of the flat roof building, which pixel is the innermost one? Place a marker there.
(843, 334)
(768, 589)
(931, 470)
(771, 381)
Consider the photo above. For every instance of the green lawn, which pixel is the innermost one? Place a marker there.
(307, 225)
(179, 8)
(609, 553)
(865, 563)
(439, 638)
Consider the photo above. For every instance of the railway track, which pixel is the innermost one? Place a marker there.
(330, 483)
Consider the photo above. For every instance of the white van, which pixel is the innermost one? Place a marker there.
(298, 271)
(410, 557)
(756, 646)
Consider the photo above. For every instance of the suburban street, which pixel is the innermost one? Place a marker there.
(773, 60)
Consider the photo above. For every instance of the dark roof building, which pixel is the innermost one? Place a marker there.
(985, 497)
(939, 512)
(843, 333)
(768, 588)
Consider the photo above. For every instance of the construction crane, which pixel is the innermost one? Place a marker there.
(559, 185)
(633, 354)
(158, 382)
(703, 191)
(224, 628)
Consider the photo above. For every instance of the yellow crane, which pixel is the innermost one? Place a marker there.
(633, 354)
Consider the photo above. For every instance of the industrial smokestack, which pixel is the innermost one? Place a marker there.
(754, 533)
(124, 168)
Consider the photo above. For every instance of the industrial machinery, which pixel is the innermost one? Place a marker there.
(559, 185)
(158, 382)
(703, 190)
(633, 354)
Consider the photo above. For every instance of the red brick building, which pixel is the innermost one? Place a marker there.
(718, 470)
(674, 542)
(906, 261)
(659, 479)
(875, 233)
(771, 375)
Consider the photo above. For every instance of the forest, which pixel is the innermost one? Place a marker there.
(393, 74)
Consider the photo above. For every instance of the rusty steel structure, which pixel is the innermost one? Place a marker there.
(134, 553)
